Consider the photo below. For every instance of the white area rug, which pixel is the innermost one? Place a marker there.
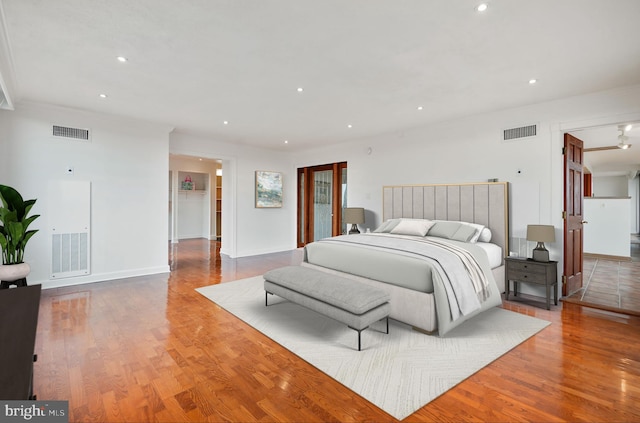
(399, 372)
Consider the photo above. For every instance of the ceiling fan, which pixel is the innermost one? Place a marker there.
(622, 141)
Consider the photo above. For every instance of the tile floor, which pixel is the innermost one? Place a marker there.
(612, 285)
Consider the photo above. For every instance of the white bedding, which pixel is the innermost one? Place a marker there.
(494, 253)
(355, 258)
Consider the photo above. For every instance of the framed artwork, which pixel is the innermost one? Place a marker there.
(268, 189)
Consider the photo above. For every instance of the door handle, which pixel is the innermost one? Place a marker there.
(584, 221)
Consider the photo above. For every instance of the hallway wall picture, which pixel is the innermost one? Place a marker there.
(268, 189)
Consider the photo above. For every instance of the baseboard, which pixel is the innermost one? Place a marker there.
(101, 277)
(606, 257)
(249, 253)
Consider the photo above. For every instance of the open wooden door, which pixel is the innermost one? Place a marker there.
(573, 219)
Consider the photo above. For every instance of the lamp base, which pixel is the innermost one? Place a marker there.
(540, 253)
(354, 229)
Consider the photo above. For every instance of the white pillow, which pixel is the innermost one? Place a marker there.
(387, 226)
(464, 233)
(415, 227)
(485, 235)
(478, 229)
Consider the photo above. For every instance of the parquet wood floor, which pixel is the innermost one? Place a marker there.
(151, 349)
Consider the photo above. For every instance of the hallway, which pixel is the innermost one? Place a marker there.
(611, 285)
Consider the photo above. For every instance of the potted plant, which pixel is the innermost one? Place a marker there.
(14, 233)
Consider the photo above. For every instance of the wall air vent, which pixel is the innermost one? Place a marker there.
(70, 255)
(521, 132)
(69, 214)
(72, 133)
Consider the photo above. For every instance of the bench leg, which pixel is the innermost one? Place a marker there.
(360, 332)
(359, 335)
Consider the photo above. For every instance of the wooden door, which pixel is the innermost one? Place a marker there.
(320, 201)
(573, 218)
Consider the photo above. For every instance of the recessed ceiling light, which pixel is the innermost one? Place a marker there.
(419, 107)
(286, 141)
(226, 122)
(628, 127)
(532, 81)
(300, 89)
(103, 96)
(349, 126)
(122, 59)
(482, 7)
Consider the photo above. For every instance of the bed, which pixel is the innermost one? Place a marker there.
(429, 237)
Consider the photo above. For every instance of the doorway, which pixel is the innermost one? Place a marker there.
(194, 198)
(322, 194)
(608, 279)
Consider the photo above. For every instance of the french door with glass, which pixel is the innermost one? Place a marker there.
(321, 197)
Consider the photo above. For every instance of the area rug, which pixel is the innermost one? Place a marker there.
(399, 372)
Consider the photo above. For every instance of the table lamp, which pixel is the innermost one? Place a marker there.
(541, 234)
(353, 215)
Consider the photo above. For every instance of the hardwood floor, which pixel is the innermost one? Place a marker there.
(151, 349)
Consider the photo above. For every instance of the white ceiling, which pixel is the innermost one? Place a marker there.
(366, 63)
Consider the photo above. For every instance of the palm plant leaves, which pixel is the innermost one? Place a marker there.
(14, 233)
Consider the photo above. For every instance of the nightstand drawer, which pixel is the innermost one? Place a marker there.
(527, 266)
(526, 276)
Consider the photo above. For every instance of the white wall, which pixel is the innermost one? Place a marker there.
(470, 150)
(133, 192)
(607, 232)
(4, 155)
(127, 164)
(611, 186)
(621, 186)
(634, 190)
(247, 230)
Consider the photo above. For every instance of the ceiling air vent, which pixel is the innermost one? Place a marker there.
(72, 133)
(521, 132)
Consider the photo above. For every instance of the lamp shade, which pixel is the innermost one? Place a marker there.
(353, 215)
(541, 233)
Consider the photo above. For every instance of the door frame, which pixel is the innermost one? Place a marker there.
(228, 245)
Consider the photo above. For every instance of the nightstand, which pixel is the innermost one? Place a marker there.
(529, 271)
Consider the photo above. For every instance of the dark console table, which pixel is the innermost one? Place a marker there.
(18, 323)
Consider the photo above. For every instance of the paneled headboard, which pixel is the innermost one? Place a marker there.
(486, 203)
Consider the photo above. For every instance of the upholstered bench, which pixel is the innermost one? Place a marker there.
(353, 303)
